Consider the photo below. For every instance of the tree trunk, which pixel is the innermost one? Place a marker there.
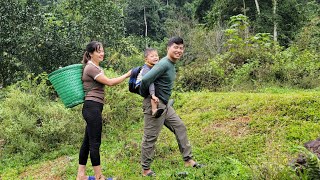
(246, 31)
(257, 5)
(146, 25)
(244, 8)
(275, 25)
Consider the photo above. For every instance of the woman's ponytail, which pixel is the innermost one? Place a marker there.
(91, 47)
(86, 58)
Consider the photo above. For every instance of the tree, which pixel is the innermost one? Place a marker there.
(102, 21)
(142, 18)
(203, 7)
(19, 24)
(257, 5)
(283, 20)
(275, 24)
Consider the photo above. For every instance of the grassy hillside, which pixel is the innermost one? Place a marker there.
(237, 135)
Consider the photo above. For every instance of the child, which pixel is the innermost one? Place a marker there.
(151, 58)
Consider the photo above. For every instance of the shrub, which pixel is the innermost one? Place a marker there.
(122, 63)
(121, 105)
(32, 125)
(297, 68)
(203, 44)
(200, 76)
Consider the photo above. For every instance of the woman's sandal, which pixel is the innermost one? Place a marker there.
(101, 178)
(197, 165)
(150, 174)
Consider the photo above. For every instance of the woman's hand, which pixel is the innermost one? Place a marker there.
(128, 74)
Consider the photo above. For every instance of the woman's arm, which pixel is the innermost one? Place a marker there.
(112, 81)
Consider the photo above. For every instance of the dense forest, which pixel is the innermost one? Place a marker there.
(247, 86)
(234, 44)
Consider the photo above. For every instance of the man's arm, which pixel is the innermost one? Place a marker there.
(149, 78)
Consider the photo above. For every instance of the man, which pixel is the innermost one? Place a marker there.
(163, 75)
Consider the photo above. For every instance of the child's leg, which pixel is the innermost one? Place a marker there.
(154, 107)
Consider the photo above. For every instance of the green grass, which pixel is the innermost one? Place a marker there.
(237, 135)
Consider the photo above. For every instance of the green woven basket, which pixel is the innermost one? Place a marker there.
(68, 84)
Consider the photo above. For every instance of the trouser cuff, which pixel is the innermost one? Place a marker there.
(145, 168)
(186, 159)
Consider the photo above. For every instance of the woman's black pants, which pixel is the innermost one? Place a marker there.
(92, 114)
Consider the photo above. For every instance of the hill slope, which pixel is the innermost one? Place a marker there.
(237, 136)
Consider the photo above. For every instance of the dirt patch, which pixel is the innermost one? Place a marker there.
(235, 127)
(49, 170)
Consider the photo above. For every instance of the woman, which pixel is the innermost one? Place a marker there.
(94, 81)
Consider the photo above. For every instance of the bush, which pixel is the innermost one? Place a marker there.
(121, 106)
(32, 125)
(297, 68)
(203, 44)
(123, 64)
(200, 76)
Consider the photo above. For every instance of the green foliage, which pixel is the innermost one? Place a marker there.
(297, 68)
(197, 77)
(307, 164)
(290, 16)
(245, 63)
(309, 37)
(119, 101)
(244, 76)
(241, 136)
(221, 11)
(202, 8)
(136, 11)
(255, 60)
(31, 125)
(203, 44)
(102, 21)
(313, 166)
(241, 46)
(15, 44)
(122, 63)
(289, 20)
(10, 69)
(46, 37)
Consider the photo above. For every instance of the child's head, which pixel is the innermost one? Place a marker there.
(151, 56)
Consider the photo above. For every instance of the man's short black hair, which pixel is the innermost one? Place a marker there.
(175, 40)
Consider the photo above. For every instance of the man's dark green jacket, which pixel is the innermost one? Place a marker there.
(162, 75)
